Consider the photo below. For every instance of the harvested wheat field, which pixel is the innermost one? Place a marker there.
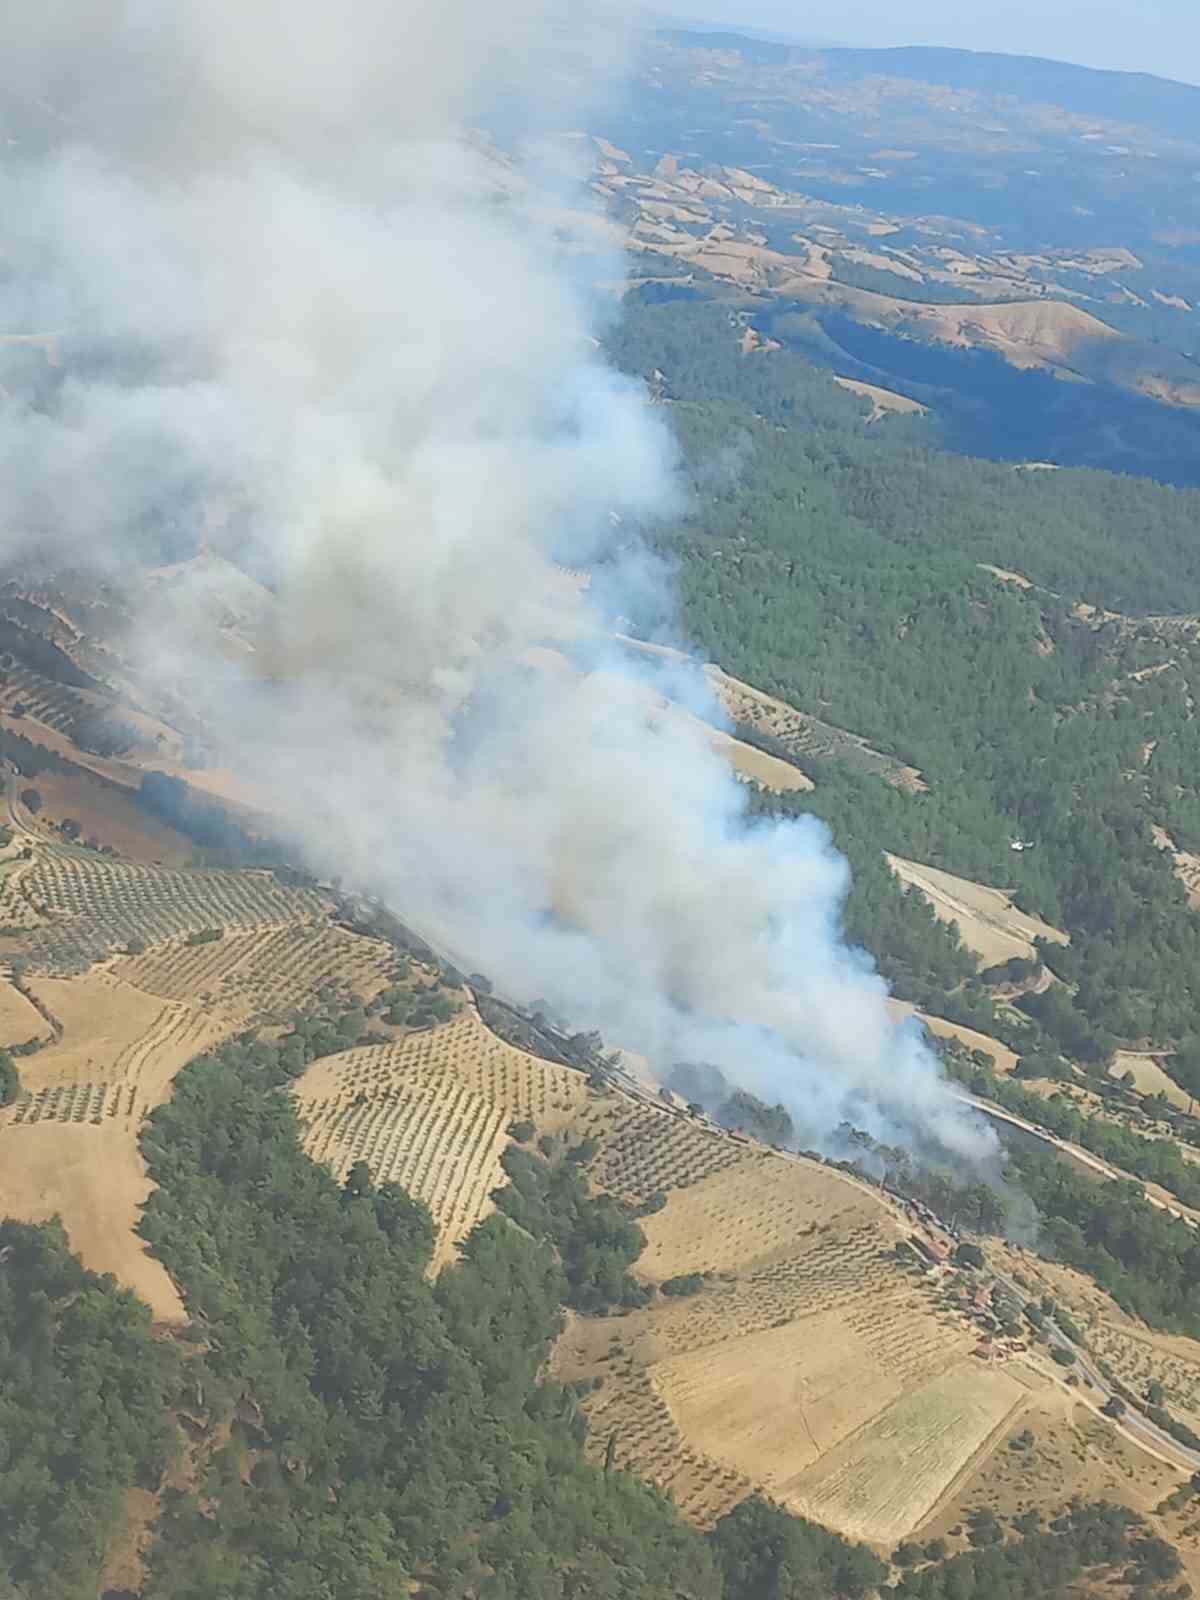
(989, 924)
(886, 1480)
(93, 1178)
(431, 1111)
(811, 1362)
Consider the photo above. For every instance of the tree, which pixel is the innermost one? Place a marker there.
(10, 1082)
(31, 799)
(1114, 1407)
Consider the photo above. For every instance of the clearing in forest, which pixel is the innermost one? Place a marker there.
(1003, 1059)
(883, 401)
(989, 924)
(1149, 1077)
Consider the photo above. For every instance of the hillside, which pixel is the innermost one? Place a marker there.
(1015, 252)
(599, 815)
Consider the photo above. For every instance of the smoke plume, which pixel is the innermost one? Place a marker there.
(295, 301)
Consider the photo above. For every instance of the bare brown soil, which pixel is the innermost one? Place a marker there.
(109, 816)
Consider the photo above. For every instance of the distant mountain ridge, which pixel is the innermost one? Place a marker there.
(1163, 104)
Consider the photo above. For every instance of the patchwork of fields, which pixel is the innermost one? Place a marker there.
(811, 1361)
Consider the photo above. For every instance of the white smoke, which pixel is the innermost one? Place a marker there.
(296, 297)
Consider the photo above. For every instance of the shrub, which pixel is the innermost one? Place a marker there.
(686, 1283)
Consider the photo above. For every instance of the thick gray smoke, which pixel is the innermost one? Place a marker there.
(299, 304)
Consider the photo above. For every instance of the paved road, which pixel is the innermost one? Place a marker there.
(1132, 1422)
(1076, 1152)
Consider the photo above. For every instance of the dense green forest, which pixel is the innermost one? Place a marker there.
(1147, 1260)
(838, 565)
(83, 1388)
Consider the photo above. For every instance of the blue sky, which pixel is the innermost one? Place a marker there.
(1160, 36)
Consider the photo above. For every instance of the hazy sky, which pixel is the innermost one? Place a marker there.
(1160, 36)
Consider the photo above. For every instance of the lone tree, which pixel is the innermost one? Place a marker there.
(31, 800)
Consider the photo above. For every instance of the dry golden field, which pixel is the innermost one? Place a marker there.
(812, 1364)
(884, 1481)
(94, 1179)
(989, 924)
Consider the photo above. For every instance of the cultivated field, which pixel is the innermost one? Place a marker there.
(92, 906)
(645, 1152)
(110, 816)
(118, 1052)
(265, 970)
(431, 1112)
(117, 1033)
(886, 1480)
(811, 1362)
(989, 924)
(754, 1208)
(883, 401)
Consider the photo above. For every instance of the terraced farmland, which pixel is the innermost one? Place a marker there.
(810, 1362)
(755, 1207)
(262, 971)
(435, 1137)
(430, 1112)
(645, 1151)
(647, 1441)
(94, 906)
(521, 1085)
